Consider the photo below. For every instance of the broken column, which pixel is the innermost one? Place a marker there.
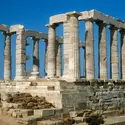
(35, 73)
(51, 68)
(103, 72)
(74, 52)
(89, 49)
(123, 53)
(7, 57)
(58, 61)
(20, 54)
(114, 52)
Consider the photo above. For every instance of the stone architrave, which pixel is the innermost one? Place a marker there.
(51, 65)
(103, 72)
(7, 57)
(89, 49)
(114, 52)
(58, 61)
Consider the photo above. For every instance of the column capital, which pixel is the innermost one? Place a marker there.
(101, 23)
(7, 33)
(45, 40)
(122, 30)
(35, 38)
(112, 27)
(74, 14)
(54, 25)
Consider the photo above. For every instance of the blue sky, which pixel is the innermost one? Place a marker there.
(34, 14)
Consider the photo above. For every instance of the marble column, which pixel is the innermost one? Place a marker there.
(84, 62)
(103, 72)
(66, 48)
(58, 61)
(114, 52)
(89, 49)
(35, 73)
(74, 50)
(51, 68)
(123, 53)
(46, 56)
(20, 54)
(7, 57)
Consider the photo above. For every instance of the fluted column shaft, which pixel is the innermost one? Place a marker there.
(46, 57)
(89, 49)
(7, 57)
(35, 73)
(36, 55)
(66, 48)
(20, 54)
(103, 72)
(114, 52)
(58, 61)
(51, 68)
(74, 52)
(123, 54)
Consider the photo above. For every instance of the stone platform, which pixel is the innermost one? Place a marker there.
(73, 96)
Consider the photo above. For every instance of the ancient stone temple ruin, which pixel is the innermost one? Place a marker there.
(68, 92)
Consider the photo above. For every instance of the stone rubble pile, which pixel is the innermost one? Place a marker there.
(27, 101)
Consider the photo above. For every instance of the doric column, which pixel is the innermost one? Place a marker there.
(7, 57)
(35, 73)
(66, 48)
(103, 72)
(123, 53)
(74, 52)
(46, 56)
(114, 52)
(20, 54)
(84, 62)
(58, 61)
(51, 68)
(89, 49)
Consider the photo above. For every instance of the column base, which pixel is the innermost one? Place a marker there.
(68, 78)
(19, 78)
(34, 75)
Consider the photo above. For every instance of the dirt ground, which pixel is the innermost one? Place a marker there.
(6, 120)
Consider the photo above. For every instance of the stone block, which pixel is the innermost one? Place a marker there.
(15, 28)
(3, 28)
(73, 114)
(58, 18)
(50, 122)
(10, 112)
(78, 119)
(45, 113)
(26, 112)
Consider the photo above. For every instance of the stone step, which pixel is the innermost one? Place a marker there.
(113, 113)
(46, 113)
(50, 122)
(17, 113)
(29, 120)
(79, 120)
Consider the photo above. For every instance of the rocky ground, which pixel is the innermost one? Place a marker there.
(26, 101)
